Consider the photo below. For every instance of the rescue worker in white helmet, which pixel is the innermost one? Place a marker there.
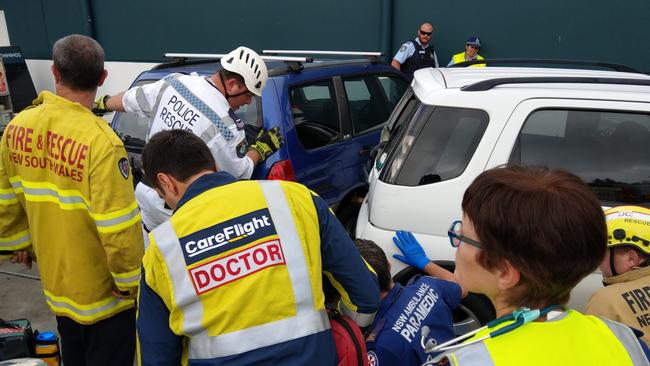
(234, 277)
(626, 275)
(205, 106)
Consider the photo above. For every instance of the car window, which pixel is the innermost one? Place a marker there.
(131, 127)
(608, 150)
(400, 118)
(371, 99)
(315, 113)
(394, 88)
(251, 113)
(438, 144)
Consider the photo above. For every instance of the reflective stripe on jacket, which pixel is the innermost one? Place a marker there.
(570, 339)
(238, 268)
(460, 57)
(66, 172)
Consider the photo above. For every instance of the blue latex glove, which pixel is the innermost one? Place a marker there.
(413, 253)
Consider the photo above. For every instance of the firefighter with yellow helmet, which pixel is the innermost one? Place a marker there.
(626, 275)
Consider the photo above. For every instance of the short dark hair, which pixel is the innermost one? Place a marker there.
(79, 60)
(178, 153)
(547, 223)
(376, 258)
(226, 75)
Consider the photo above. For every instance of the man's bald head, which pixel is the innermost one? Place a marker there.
(424, 33)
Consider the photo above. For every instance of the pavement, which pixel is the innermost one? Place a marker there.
(22, 297)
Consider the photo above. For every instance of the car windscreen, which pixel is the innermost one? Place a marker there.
(437, 145)
(610, 150)
(131, 127)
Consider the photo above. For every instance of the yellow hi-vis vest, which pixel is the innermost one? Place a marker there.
(66, 190)
(573, 339)
(460, 57)
(253, 279)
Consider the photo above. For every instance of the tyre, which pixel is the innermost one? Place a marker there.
(475, 310)
(347, 215)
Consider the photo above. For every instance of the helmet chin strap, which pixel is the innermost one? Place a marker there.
(611, 261)
(225, 89)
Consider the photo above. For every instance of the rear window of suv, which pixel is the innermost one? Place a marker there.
(437, 145)
(608, 150)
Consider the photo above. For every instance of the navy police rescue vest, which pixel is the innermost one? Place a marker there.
(421, 58)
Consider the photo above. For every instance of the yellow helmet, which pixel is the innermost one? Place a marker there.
(628, 225)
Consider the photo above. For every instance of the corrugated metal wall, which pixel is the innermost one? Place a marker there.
(138, 30)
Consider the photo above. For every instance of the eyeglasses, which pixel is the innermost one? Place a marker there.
(428, 34)
(473, 46)
(455, 238)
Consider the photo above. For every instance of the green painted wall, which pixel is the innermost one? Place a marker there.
(138, 30)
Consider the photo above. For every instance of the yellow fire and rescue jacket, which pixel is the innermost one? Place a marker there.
(624, 299)
(66, 190)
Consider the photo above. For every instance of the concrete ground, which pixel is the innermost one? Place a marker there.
(23, 297)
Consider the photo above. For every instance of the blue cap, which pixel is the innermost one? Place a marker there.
(473, 41)
(46, 337)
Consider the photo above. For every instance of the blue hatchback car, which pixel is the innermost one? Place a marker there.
(330, 114)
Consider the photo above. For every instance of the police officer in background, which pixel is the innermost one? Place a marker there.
(67, 193)
(417, 53)
(235, 275)
(205, 106)
(472, 46)
(625, 270)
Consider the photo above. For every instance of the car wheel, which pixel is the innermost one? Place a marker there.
(348, 215)
(475, 310)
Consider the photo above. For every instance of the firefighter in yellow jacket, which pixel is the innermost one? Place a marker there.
(235, 276)
(626, 275)
(66, 193)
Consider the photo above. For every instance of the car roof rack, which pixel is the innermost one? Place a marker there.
(294, 63)
(491, 83)
(506, 61)
(372, 56)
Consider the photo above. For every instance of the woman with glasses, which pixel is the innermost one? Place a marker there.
(526, 238)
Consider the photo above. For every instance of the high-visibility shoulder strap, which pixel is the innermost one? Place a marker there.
(629, 340)
(200, 105)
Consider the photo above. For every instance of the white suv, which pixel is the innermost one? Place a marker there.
(454, 123)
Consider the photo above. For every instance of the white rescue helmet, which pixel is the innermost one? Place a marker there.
(249, 65)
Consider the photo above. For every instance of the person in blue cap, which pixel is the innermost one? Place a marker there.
(472, 46)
